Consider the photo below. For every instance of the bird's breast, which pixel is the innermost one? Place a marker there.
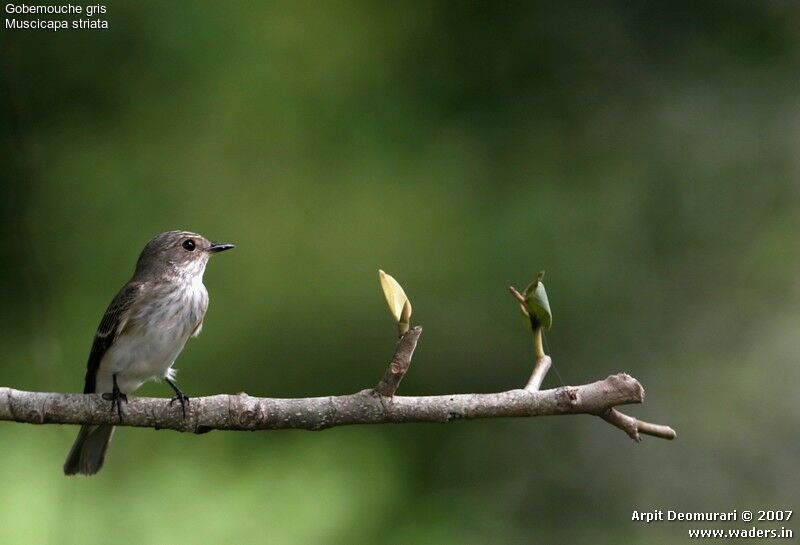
(157, 331)
(176, 308)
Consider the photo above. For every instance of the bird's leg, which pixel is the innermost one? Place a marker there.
(179, 396)
(116, 397)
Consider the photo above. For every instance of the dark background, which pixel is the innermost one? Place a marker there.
(644, 153)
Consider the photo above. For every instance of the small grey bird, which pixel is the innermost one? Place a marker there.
(142, 332)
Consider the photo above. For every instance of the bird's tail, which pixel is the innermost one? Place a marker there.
(89, 450)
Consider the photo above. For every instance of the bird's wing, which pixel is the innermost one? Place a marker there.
(113, 323)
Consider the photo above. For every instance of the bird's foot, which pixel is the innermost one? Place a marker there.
(179, 396)
(184, 400)
(116, 397)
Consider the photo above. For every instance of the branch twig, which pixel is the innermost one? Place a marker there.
(400, 362)
(634, 427)
(540, 370)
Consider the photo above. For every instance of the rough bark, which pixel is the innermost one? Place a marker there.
(374, 406)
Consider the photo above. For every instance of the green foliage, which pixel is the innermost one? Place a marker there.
(537, 304)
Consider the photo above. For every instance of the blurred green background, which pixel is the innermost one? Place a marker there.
(644, 153)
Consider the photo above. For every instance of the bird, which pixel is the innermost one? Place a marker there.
(142, 332)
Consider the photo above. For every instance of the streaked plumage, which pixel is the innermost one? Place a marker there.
(144, 330)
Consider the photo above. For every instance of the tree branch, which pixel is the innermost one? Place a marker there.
(374, 406)
(243, 412)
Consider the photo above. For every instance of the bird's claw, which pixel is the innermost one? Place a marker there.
(184, 400)
(116, 397)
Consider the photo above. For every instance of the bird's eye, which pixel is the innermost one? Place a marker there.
(188, 245)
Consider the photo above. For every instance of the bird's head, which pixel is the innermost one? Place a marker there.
(177, 252)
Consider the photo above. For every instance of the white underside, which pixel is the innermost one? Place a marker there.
(135, 359)
(148, 350)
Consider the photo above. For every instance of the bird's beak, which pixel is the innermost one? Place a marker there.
(219, 247)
